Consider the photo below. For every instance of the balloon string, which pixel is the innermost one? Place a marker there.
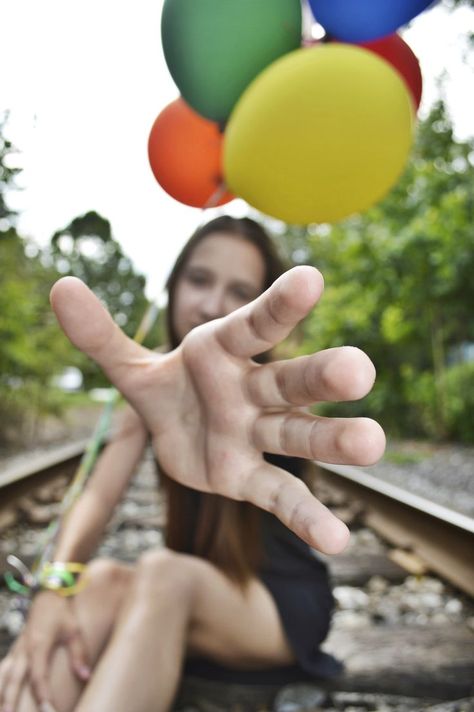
(91, 453)
(221, 189)
(216, 196)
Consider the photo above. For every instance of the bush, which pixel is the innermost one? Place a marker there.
(459, 407)
(21, 408)
(445, 409)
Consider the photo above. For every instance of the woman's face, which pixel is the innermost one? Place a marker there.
(223, 272)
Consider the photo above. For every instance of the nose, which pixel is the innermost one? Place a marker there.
(212, 305)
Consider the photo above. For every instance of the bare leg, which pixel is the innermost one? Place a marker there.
(97, 609)
(179, 602)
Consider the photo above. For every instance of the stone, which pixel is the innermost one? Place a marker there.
(41, 513)
(349, 597)
(300, 698)
(8, 517)
(465, 705)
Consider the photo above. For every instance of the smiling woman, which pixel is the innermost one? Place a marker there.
(228, 262)
(212, 286)
(236, 587)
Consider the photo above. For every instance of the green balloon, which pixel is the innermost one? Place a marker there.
(214, 48)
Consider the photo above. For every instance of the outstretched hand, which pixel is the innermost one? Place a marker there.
(212, 411)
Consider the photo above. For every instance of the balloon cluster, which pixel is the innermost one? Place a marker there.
(308, 133)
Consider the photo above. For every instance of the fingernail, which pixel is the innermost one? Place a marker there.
(46, 707)
(84, 672)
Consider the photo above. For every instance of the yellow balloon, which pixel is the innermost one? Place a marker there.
(320, 134)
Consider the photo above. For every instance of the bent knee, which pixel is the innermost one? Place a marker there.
(108, 574)
(164, 573)
(156, 559)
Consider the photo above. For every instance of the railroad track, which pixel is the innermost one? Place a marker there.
(428, 536)
(384, 660)
(23, 476)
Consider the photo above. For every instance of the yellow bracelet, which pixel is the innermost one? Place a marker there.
(65, 578)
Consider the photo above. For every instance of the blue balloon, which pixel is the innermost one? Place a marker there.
(364, 20)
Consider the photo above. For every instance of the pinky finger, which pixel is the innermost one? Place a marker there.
(289, 499)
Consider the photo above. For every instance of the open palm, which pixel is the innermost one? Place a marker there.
(212, 411)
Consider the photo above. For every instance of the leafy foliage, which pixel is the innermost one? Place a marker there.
(458, 3)
(7, 176)
(86, 249)
(32, 347)
(400, 284)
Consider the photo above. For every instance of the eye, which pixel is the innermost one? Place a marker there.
(197, 278)
(244, 293)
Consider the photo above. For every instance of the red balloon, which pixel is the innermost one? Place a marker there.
(401, 56)
(185, 153)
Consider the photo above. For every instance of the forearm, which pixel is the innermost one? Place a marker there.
(83, 527)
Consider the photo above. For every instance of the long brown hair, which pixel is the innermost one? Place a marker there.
(218, 529)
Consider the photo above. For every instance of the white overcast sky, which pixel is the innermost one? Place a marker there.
(84, 82)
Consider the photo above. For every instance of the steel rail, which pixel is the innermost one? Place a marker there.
(20, 468)
(442, 538)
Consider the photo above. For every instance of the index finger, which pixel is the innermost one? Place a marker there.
(13, 672)
(269, 319)
(39, 661)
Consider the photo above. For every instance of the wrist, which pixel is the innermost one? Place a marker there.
(65, 578)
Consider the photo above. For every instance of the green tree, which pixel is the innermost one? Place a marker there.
(400, 285)
(458, 3)
(32, 347)
(7, 176)
(86, 249)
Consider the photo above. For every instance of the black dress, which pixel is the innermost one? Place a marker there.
(299, 584)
